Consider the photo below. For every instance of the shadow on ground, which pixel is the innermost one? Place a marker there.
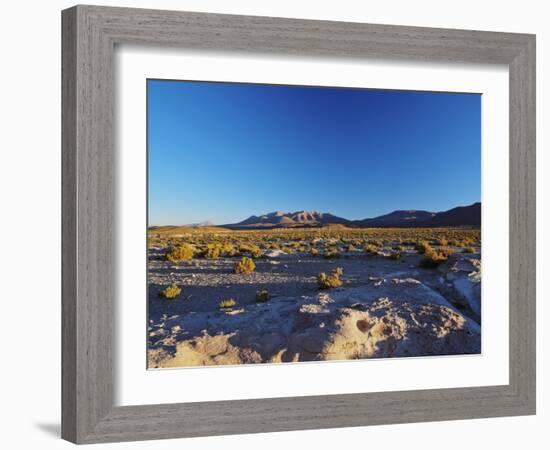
(53, 429)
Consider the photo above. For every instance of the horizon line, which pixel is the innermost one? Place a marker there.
(210, 223)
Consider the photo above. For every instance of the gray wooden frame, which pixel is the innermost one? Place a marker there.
(89, 36)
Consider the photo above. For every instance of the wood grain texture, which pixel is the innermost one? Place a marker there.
(68, 225)
(89, 36)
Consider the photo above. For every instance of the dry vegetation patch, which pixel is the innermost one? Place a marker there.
(245, 265)
(330, 281)
(213, 243)
(179, 253)
(227, 303)
(170, 292)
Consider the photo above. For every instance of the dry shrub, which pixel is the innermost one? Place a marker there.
(372, 249)
(227, 303)
(433, 258)
(252, 249)
(170, 292)
(245, 265)
(213, 251)
(228, 249)
(181, 252)
(330, 281)
(331, 253)
(423, 247)
(262, 296)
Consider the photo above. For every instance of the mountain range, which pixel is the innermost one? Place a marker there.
(459, 216)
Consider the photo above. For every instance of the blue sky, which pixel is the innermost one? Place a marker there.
(221, 152)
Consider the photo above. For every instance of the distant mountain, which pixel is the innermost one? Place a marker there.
(206, 223)
(397, 218)
(460, 216)
(292, 219)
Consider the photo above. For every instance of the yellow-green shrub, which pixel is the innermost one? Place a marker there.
(245, 265)
(228, 249)
(371, 248)
(331, 253)
(227, 303)
(332, 280)
(447, 251)
(254, 250)
(423, 247)
(212, 251)
(434, 258)
(170, 292)
(181, 252)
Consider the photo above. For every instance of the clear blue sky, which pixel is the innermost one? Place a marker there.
(221, 152)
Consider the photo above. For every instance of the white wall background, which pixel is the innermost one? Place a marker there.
(30, 223)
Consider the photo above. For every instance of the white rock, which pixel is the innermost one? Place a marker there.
(401, 318)
(273, 253)
(466, 280)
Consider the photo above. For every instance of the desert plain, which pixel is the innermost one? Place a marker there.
(220, 296)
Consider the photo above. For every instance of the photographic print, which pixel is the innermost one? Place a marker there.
(290, 224)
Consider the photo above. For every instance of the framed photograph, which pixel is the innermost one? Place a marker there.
(278, 224)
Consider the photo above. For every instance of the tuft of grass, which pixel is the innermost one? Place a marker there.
(262, 296)
(447, 251)
(213, 251)
(469, 250)
(466, 242)
(372, 249)
(252, 249)
(181, 252)
(170, 292)
(423, 247)
(331, 253)
(245, 265)
(314, 252)
(227, 303)
(433, 258)
(330, 281)
(228, 249)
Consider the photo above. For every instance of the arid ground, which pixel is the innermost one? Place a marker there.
(219, 296)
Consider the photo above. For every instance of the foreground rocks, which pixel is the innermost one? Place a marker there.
(384, 317)
(465, 276)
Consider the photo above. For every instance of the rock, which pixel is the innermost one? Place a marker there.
(402, 317)
(273, 253)
(234, 312)
(466, 281)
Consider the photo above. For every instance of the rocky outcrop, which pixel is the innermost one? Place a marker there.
(385, 318)
(465, 276)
